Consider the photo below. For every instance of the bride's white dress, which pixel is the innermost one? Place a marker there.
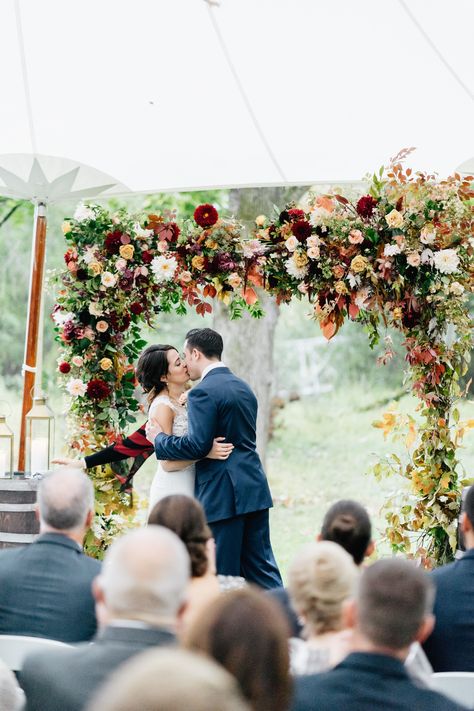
(179, 482)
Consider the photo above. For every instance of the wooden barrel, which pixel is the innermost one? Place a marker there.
(18, 523)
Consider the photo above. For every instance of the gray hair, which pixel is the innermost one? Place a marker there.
(65, 498)
(320, 579)
(394, 599)
(170, 680)
(146, 574)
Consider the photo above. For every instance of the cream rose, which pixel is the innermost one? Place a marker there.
(260, 220)
(456, 288)
(313, 253)
(95, 268)
(105, 363)
(102, 326)
(234, 280)
(108, 279)
(394, 219)
(185, 277)
(291, 243)
(359, 264)
(414, 259)
(126, 251)
(300, 259)
(428, 234)
(95, 309)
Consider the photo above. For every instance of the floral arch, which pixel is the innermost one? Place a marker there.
(402, 255)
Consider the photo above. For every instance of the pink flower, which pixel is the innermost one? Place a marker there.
(162, 246)
(121, 264)
(89, 333)
(356, 237)
(414, 259)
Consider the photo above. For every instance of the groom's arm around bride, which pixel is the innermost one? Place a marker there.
(234, 492)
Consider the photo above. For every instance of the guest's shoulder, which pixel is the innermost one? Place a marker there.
(48, 662)
(92, 563)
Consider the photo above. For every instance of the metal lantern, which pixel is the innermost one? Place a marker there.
(6, 448)
(39, 437)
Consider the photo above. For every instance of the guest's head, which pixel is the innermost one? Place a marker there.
(159, 367)
(170, 680)
(247, 633)
(202, 347)
(348, 524)
(393, 607)
(321, 579)
(185, 517)
(144, 577)
(467, 519)
(65, 503)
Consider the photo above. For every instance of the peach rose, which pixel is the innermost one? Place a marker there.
(313, 253)
(234, 280)
(356, 237)
(198, 262)
(95, 268)
(260, 220)
(185, 277)
(126, 251)
(338, 271)
(414, 259)
(105, 363)
(291, 243)
(78, 361)
(394, 219)
(102, 326)
(66, 227)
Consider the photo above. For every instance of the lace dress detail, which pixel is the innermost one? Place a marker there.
(178, 482)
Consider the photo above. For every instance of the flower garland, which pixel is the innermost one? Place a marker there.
(120, 272)
(402, 255)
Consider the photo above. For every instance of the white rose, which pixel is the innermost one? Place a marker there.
(108, 279)
(427, 234)
(446, 261)
(60, 317)
(414, 259)
(291, 243)
(76, 387)
(313, 253)
(456, 288)
(141, 233)
(313, 241)
(394, 219)
(95, 309)
(83, 212)
(391, 250)
(427, 256)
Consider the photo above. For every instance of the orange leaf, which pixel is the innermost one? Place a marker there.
(250, 296)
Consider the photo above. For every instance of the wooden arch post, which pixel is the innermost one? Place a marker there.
(33, 321)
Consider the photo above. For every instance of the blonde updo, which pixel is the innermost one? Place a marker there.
(320, 579)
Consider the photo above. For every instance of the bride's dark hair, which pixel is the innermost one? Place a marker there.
(151, 367)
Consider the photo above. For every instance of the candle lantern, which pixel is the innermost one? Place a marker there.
(39, 437)
(6, 448)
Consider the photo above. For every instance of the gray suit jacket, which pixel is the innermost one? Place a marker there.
(45, 590)
(66, 679)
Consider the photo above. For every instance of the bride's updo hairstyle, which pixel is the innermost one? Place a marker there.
(185, 517)
(151, 367)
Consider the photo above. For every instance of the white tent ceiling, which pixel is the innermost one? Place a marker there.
(315, 90)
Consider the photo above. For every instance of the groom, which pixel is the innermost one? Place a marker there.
(234, 492)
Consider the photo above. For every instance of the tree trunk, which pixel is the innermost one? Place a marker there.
(248, 342)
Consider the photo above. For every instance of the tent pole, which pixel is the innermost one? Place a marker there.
(33, 321)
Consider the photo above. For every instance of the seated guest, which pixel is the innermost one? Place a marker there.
(45, 587)
(321, 579)
(140, 595)
(185, 517)
(392, 609)
(348, 524)
(451, 645)
(175, 680)
(246, 632)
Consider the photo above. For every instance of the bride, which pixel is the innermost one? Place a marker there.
(163, 376)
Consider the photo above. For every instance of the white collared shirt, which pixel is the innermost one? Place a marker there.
(207, 369)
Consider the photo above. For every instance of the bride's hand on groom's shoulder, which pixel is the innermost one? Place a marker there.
(152, 429)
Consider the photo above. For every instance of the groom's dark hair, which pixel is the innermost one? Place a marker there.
(205, 340)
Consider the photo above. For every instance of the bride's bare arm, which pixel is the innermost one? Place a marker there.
(164, 416)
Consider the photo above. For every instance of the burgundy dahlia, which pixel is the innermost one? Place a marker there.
(147, 256)
(97, 389)
(136, 308)
(301, 230)
(113, 242)
(206, 215)
(366, 205)
(64, 367)
(295, 214)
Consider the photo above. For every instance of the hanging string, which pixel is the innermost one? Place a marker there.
(210, 6)
(24, 72)
(436, 50)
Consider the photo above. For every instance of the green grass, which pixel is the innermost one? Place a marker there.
(321, 452)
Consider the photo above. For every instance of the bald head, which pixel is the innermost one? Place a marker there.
(145, 575)
(65, 500)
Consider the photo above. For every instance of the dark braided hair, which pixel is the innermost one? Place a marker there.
(151, 367)
(185, 517)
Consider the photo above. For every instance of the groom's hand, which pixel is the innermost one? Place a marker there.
(152, 429)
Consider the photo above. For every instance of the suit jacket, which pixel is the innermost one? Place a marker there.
(66, 679)
(222, 405)
(365, 682)
(451, 645)
(45, 590)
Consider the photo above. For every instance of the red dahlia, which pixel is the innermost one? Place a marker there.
(98, 389)
(366, 205)
(113, 242)
(206, 215)
(136, 308)
(295, 214)
(301, 230)
(64, 367)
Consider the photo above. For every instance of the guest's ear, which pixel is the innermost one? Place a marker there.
(349, 614)
(370, 549)
(466, 525)
(89, 519)
(181, 623)
(425, 629)
(319, 537)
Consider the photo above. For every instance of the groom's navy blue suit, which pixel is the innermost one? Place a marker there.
(234, 492)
